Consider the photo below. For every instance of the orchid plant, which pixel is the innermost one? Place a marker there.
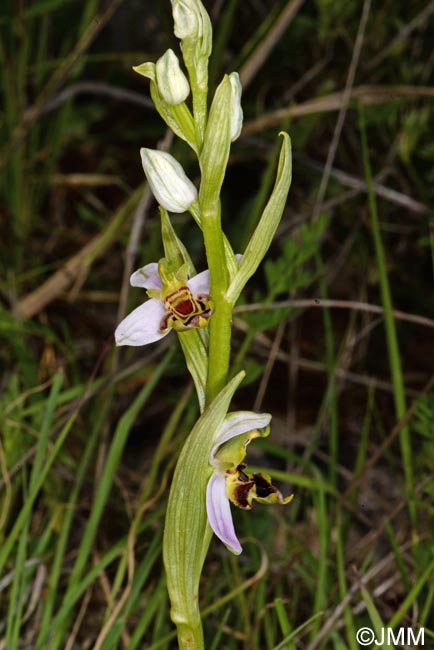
(210, 474)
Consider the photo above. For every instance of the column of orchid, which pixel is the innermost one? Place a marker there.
(210, 473)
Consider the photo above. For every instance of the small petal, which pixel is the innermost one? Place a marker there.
(199, 283)
(146, 69)
(219, 513)
(147, 277)
(237, 423)
(142, 325)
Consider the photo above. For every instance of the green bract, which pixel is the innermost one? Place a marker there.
(174, 249)
(194, 343)
(267, 226)
(177, 116)
(187, 533)
(215, 152)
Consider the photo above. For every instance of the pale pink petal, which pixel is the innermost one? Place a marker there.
(142, 325)
(237, 423)
(219, 513)
(199, 283)
(147, 277)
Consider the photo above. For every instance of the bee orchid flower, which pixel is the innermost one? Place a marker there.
(229, 482)
(175, 302)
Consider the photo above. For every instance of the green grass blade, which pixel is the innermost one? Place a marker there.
(39, 482)
(106, 482)
(389, 322)
(374, 615)
(61, 547)
(16, 598)
(410, 598)
(284, 622)
(343, 588)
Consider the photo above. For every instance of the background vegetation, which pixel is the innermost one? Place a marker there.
(339, 347)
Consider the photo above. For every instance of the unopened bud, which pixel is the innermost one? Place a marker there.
(172, 83)
(171, 187)
(186, 18)
(192, 26)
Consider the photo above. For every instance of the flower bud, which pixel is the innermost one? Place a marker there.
(172, 83)
(236, 110)
(192, 26)
(168, 181)
(186, 18)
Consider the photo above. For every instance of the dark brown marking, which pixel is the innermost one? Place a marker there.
(241, 494)
(163, 322)
(263, 486)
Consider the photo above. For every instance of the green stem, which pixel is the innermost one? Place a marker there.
(199, 93)
(200, 111)
(389, 322)
(331, 395)
(219, 349)
(220, 324)
(190, 637)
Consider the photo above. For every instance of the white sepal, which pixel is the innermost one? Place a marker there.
(236, 110)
